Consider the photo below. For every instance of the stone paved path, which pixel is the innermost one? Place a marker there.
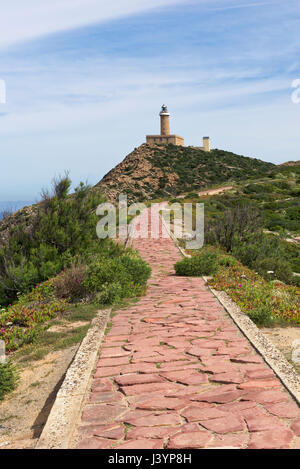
(175, 372)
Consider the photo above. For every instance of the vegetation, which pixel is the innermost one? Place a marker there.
(63, 228)
(63, 331)
(59, 259)
(239, 221)
(277, 198)
(203, 263)
(23, 321)
(61, 235)
(195, 168)
(265, 302)
(116, 278)
(8, 379)
(103, 281)
(240, 232)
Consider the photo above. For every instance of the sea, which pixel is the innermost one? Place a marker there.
(12, 206)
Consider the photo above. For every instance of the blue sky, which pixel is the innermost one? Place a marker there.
(85, 80)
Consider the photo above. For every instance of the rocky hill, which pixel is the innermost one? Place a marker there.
(24, 217)
(155, 171)
(291, 163)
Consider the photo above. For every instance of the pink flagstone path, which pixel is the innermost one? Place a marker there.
(176, 372)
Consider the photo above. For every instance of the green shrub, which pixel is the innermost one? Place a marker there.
(8, 379)
(261, 315)
(112, 279)
(174, 201)
(227, 261)
(282, 185)
(239, 230)
(264, 253)
(109, 294)
(281, 268)
(61, 227)
(296, 281)
(104, 271)
(138, 270)
(258, 188)
(205, 263)
(234, 225)
(192, 195)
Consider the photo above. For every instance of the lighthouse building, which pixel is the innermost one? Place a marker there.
(165, 136)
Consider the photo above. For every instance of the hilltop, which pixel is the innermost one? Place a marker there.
(156, 171)
(291, 163)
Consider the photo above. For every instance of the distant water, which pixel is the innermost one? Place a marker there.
(12, 206)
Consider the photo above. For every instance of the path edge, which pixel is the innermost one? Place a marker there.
(65, 414)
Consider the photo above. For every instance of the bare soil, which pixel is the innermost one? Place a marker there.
(23, 413)
(287, 340)
(219, 190)
(215, 191)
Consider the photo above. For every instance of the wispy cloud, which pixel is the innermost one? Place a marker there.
(20, 20)
(239, 6)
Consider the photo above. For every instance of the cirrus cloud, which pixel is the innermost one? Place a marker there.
(21, 20)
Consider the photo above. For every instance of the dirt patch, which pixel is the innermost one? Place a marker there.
(67, 326)
(219, 190)
(23, 413)
(287, 340)
(215, 191)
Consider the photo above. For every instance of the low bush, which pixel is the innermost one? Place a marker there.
(112, 279)
(235, 225)
(192, 195)
(138, 270)
(227, 261)
(258, 188)
(263, 254)
(204, 263)
(261, 315)
(296, 281)
(61, 227)
(239, 230)
(8, 379)
(276, 268)
(69, 283)
(110, 293)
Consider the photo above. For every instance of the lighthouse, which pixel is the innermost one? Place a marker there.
(165, 136)
(164, 121)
